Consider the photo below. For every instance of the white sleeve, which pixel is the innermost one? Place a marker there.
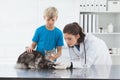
(90, 57)
(79, 64)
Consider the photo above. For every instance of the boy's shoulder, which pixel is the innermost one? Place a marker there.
(40, 28)
(57, 29)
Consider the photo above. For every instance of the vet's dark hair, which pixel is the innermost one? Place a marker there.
(74, 29)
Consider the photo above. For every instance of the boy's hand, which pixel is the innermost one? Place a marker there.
(29, 50)
(52, 57)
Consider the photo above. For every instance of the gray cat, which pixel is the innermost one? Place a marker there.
(33, 60)
(49, 53)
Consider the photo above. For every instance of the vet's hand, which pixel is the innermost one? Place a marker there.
(62, 65)
(29, 50)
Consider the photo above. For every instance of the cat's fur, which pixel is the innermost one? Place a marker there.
(49, 53)
(33, 60)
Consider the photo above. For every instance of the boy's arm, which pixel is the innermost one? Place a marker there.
(33, 45)
(59, 51)
(58, 54)
(29, 49)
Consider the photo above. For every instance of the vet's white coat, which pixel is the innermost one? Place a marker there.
(96, 53)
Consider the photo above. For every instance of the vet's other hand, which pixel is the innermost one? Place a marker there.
(62, 65)
(29, 50)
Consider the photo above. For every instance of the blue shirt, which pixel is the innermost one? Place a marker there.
(47, 39)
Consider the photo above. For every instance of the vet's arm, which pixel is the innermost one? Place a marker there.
(29, 49)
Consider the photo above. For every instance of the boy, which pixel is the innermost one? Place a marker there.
(48, 37)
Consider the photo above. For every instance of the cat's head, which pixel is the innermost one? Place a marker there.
(47, 52)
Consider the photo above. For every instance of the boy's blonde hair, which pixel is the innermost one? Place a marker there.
(51, 12)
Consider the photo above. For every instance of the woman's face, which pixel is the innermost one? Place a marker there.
(70, 39)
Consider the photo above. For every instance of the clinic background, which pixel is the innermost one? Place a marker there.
(20, 18)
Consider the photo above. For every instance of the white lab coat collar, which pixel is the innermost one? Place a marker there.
(82, 45)
(81, 52)
(75, 53)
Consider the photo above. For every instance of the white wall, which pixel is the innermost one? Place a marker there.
(67, 11)
(20, 18)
